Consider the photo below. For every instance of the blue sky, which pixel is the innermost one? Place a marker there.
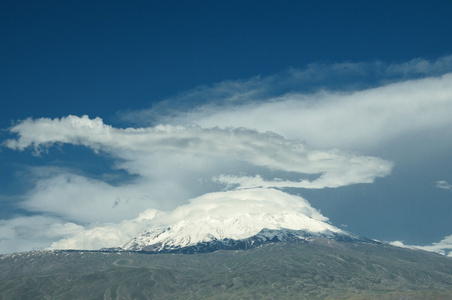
(345, 103)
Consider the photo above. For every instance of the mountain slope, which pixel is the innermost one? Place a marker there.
(317, 269)
(240, 231)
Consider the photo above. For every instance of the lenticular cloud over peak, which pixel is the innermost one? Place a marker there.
(222, 205)
(266, 150)
(211, 207)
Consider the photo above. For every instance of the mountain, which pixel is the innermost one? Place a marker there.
(286, 255)
(316, 269)
(238, 232)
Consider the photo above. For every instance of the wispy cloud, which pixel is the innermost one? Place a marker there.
(300, 84)
(443, 247)
(348, 105)
(443, 185)
(351, 120)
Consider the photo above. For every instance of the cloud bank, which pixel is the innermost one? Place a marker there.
(173, 164)
(27, 233)
(217, 206)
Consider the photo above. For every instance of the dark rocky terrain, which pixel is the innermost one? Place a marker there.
(319, 269)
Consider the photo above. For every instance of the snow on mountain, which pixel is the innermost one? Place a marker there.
(258, 228)
(237, 219)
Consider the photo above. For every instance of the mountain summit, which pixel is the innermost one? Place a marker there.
(240, 231)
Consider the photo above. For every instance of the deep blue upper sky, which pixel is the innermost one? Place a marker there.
(98, 57)
(106, 58)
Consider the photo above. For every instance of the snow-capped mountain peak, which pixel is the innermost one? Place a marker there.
(239, 228)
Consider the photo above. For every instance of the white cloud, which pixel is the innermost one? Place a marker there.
(142, 148)
(33, 232)
(410, 98)
(106, 235)
(443, 185)
(347, 120)
(246, 131)
(237, 95)
(421, 67)
(85, 200)
(443, 247)
(39, 232)
(173, 164)
(257, 200)
(218, 205)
